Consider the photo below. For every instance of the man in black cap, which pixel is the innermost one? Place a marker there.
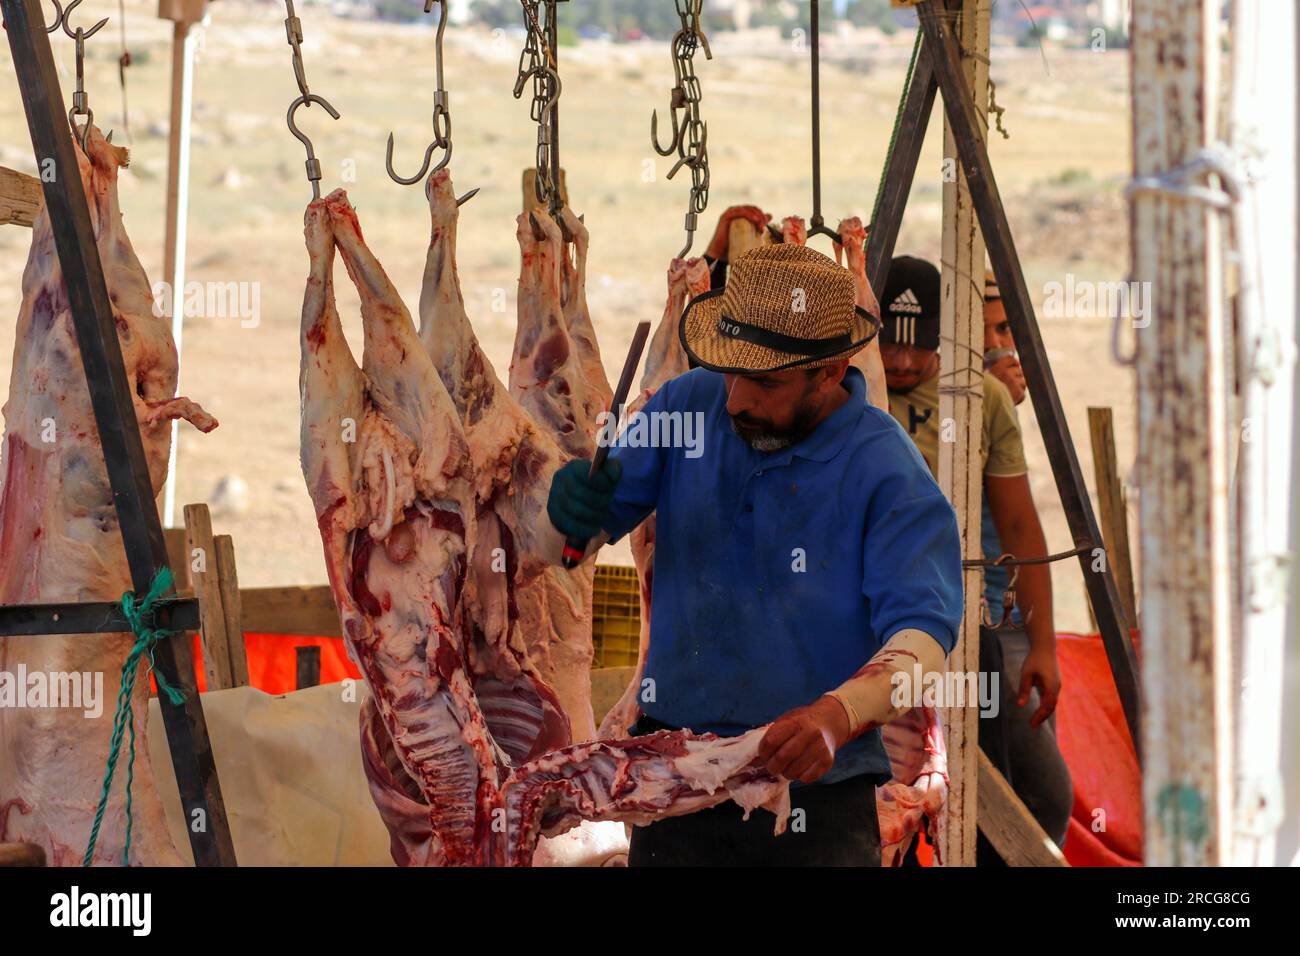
(804, 555)
(1018, 637)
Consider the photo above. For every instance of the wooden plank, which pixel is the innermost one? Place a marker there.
(1182, 445)
(228, 583)
(112, 399)
(968, 128)
(961, 403)
(307, 666)
(1007, 823)
(307, 611)
(207, 588)
(21, 197)
(21, 854)
(178, 556)
(1113, 508)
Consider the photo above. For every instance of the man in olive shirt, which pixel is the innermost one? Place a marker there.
(1021, 644)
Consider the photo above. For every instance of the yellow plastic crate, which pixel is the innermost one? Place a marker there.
(615, 616)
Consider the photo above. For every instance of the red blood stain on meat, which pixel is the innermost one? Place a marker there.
(447, 660)
(362, 545)
(551, 354)
(316, 336)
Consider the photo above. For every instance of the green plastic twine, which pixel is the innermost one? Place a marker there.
(141, 618)
(893, 136)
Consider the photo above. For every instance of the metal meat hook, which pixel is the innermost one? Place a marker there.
(67, 13)
(58, 17)
(441, 113)
(313, 164)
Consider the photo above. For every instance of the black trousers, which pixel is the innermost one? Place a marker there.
(837, 827)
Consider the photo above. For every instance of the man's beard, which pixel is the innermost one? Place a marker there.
(761, 436)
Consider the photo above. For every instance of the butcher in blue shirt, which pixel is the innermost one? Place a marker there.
(804, 555)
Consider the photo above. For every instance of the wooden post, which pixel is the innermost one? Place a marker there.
(228, 584)
(1113, 508)
(1182, 442)
(1264, 127)
(1009, 826)
(184, 14)
(207, 588)
(308, 666)
(961, 402)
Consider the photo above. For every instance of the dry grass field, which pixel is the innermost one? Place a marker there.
(1060, 172)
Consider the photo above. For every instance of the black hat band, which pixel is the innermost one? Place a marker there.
(791, 344)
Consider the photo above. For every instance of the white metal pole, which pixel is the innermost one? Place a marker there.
(1263, 135)
(178, 187)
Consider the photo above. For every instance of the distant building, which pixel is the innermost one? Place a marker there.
(1111, 14)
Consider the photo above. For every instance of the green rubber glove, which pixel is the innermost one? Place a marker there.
(578, 506)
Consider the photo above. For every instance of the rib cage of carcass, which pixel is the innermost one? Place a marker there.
(60, 541)
(429, 483)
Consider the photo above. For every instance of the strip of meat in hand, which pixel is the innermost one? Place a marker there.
(60, 541)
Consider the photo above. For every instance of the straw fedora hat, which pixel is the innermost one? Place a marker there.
(784, 306)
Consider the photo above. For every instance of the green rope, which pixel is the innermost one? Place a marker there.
(141, 618)
(898, 123)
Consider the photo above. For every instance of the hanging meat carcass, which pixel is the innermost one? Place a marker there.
(391, 474)
(513, 457)
(853, 243)
(60, 541)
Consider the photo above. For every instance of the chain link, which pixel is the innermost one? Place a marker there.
(536, 64)
(690, 136)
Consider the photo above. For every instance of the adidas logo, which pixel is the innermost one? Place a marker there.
(906, 302)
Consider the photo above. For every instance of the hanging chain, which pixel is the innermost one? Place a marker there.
(537, 64)
(293, 32)
(690, 135)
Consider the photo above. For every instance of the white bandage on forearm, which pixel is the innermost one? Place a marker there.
(868, 696)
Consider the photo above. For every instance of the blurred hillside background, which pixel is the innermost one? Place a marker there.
(1059, 68)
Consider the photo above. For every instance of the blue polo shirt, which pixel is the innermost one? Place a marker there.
(777, 576)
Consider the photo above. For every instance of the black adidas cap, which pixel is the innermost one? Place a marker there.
(909, 308)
